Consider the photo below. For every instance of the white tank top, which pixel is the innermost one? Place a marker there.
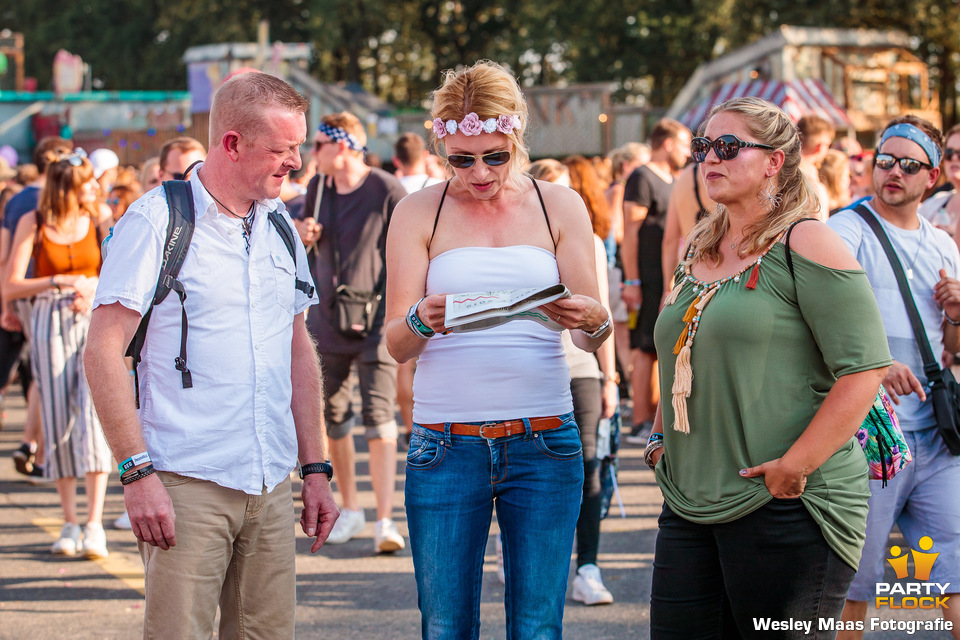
(514, 370)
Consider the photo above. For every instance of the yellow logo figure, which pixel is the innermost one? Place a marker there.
(922, 562)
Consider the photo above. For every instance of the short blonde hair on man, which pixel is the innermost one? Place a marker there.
(488, 90)
(349, 123)
(239, 103)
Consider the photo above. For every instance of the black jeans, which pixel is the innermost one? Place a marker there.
(587, 407)
(712, 581)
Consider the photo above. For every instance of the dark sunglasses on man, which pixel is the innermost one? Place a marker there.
(909, 166)
(460, 161)
(727, 147)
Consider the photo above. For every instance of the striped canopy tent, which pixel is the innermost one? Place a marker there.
(797, 98)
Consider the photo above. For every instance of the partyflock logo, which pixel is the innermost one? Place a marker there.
(921, 594)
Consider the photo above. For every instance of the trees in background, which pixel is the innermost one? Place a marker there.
(399, 49)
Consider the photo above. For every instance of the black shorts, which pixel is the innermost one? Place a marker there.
(649, 249)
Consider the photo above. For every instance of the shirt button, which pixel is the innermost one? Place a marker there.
(259, 347)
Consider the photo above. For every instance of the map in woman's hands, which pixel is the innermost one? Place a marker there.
(484, 309)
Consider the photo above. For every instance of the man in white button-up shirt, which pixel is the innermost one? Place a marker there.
(214, 521)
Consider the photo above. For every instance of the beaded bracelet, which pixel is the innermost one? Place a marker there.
(951, 321)
(139, 474)
(415, 324)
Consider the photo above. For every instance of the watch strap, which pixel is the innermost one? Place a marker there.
(317, 467)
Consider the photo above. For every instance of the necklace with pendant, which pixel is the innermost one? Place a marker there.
(909, 269)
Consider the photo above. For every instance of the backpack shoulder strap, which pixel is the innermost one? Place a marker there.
(180, 225)
(289, 240)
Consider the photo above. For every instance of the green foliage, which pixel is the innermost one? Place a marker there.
(399, 49)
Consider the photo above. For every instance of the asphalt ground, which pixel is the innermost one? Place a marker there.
(344, 591)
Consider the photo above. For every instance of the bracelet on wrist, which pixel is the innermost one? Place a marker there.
(648, 452)
(951, 321)
(133, 461)
(139, 474)
(599, 330)
(615, 378)
(655, 437)
(53, 284)
(415, 324)
(632, 283)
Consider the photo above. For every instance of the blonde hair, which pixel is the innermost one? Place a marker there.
(240, 102)
(60, 198)
(831, 171)
(547, 169)
(771, 126)
(622, 156)
(488, 90)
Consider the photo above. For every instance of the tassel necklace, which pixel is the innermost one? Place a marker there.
(703, 292)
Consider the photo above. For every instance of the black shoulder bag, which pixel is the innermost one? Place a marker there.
(943, 386)
(354, 309)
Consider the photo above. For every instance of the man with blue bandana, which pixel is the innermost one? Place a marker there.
(924, 498)
(351, 204)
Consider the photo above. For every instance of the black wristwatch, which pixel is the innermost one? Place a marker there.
(317, 467)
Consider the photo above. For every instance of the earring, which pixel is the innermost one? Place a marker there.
(769, 197)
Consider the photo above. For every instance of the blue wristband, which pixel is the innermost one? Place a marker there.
(654, 437)
(133, 461)
(416, 324)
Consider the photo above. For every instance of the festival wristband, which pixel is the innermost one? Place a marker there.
(655, 437)
(415, 324)
(139, 474)
(631, 283)
(134, 461)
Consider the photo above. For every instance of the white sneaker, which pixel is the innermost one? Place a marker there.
(123, 522)
(349, 524)
(588, 586)
(69, 541)
(386, 538)
(94, 542)
(501, 576)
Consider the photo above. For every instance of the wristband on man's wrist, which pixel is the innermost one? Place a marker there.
(951, 321)
(632, 283)
(138, 474)
(133, 461)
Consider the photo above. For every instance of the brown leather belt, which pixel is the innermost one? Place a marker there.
(498, 429)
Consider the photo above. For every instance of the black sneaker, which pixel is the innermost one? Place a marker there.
(23, 459)
(640, 433)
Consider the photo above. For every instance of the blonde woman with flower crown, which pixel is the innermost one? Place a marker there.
(493, 414)
(61, 238)
(765, 377)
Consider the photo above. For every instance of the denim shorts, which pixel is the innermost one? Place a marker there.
(534, 481)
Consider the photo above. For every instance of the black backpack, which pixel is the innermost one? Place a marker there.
(180, 227)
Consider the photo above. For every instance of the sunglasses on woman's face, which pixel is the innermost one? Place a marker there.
(909, 166)
(951, 154)
(727, 147)
(496, 159)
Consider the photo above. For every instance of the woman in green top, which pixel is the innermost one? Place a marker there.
(765, 377)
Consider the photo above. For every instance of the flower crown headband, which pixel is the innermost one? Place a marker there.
(472, 125)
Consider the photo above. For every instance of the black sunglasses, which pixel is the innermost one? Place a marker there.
(318, 144)
(727, 147)
(949, 154)
(495, 159)
(909, 166)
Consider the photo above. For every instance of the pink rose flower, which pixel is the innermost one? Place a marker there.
(506, 124)
(471, 125)
(438, 128)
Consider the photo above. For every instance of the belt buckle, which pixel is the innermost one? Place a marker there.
(484, 426)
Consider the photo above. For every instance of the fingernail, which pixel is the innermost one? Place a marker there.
(743, 472)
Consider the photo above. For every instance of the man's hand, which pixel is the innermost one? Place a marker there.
(9, 320)
(782, 481)
(900, 381)
(947, 294)
(309, 230)
(151, 512)
(320, 510)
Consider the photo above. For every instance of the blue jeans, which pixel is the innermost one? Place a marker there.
(535, 480)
